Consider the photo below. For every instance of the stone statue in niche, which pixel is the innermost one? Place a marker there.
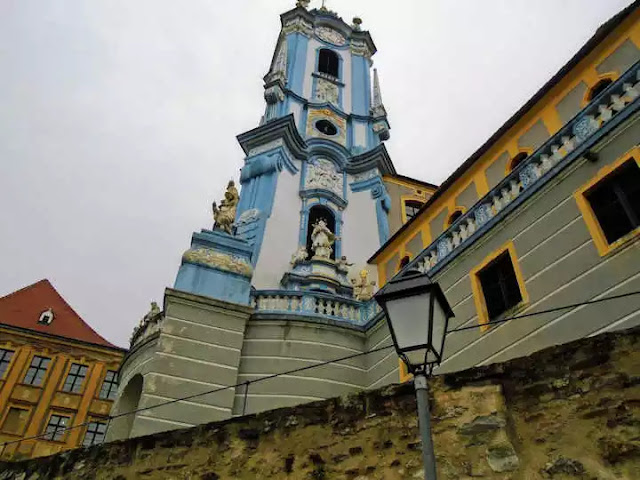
(343, 265)
(225, 214)
(363, 289)
(322, 240)
(300, 256)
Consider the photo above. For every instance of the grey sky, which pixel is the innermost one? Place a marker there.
(118, 119)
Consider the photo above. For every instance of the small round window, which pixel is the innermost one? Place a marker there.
(326, 127)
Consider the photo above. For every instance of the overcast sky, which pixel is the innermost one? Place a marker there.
(118, 119)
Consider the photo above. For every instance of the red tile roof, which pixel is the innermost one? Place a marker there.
(23, 308)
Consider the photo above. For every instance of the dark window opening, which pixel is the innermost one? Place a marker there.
(454, 216)
(109, 388)
(615, 201)
(96, 432)
(5, 360)
(56, 428)
(411, 208)
(328, 62)
(75, 378)
(326, 127)
(517, 160)
(599, 87)
(316, 213)
(36, 371)
(499, 286)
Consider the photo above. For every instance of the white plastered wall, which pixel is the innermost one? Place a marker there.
(360, 134)
(280, 239)
(360, 231)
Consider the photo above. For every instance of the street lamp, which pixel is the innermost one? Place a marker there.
(418, 315)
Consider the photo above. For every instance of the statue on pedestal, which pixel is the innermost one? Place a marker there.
(225, 214)
(343, 265)
(363, 289)
(300, 256)
(322, 240)
(150, 315)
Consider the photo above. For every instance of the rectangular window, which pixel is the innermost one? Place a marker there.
(37, 370)
(56, 428)
(109, 386)
(16, 421)
(610, 203)
(5, 360)
(75, 378)
(96, 432)
(499, 286)
(615, 201)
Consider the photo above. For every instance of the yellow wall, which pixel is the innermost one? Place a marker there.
(544, 110)
(48, 398)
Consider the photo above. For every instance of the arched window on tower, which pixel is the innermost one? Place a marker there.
(517, 160)
(328, 62)
(316, 213)
(599, 87)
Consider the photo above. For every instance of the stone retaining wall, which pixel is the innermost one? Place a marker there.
(567, 412)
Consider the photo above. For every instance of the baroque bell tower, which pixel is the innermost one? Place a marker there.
(288, 251)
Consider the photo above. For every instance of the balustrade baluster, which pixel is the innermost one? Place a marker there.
(605, 113)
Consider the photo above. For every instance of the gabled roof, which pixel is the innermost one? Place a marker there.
(23, 308)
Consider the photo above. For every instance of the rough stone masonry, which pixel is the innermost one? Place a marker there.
(568, 412)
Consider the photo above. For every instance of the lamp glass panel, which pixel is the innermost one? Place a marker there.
(439, 324)
(416, 357)
(409, 318)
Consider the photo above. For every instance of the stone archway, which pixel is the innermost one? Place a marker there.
(120, 428)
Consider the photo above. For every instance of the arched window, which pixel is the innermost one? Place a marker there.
(411, 208)
(599, 87)
(454, 216)
(316, 213)
(517, 160)
(328, 62)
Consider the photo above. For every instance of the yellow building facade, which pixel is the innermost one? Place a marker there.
(607, 55)
(543, 216)
(55, 373)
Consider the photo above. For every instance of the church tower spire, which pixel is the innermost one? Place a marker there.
(312, 198)
(288, 250)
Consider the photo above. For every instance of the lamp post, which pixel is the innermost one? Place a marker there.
(418, 315)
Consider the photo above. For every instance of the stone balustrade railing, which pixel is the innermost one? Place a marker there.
(610, 106)
(314, 304)
(147, 327)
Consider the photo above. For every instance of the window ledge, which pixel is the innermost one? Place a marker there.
(329, 78)
(513, 311)
(621, 244)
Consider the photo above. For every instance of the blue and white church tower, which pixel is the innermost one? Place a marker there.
(289, 285)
